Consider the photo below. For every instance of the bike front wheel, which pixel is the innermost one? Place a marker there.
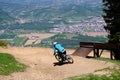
(69, 59)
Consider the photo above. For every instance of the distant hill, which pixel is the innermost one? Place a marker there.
(45, 14)
(5, 19)
(5, 16)
(52, 2)
(57, 10)
(37, 8)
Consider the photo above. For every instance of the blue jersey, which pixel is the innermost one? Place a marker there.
(58, 47)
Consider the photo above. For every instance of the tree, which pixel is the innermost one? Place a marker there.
(111, 9)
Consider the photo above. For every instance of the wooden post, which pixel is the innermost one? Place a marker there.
(96, 52)
(111, 54)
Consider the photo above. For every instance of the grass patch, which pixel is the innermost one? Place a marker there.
(115, 75)
(114, 72)
(19, 41)
(3, 43)
(89, 77)
(8, 64)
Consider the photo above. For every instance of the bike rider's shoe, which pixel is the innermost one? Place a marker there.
(63, 60)
(60, 61)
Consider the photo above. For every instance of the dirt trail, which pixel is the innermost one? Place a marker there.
(41, 67)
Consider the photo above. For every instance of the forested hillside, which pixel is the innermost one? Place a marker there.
(5, 19)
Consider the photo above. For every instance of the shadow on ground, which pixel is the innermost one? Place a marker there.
(90, 57)
(60, 63)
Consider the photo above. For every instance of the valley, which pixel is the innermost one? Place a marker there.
(79, 18)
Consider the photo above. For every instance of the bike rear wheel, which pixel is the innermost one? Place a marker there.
(58, 58)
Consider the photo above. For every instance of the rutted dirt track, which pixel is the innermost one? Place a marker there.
(41, 67)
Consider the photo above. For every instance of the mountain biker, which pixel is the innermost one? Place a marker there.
(61, 50)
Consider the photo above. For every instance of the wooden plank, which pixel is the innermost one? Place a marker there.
(87, 44)
(107, 46)
(82, 52)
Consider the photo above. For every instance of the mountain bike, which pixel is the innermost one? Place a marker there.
(66, 57)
